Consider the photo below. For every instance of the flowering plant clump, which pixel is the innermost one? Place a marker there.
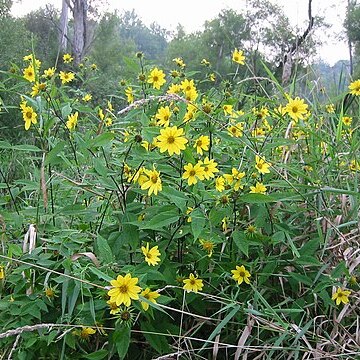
(181, 207)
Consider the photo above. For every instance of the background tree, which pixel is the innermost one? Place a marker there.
(352, 27)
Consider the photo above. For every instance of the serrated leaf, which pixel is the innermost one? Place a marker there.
(159, 221)
(65, 111)
(121, 339)
(241, 241)
(157, 342)
(53, 153)
(197, 223)
(102, 140)
(100, 274)
(174, 196)
(104, 250)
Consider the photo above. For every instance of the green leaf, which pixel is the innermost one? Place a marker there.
(104, 250)
(256, 198)
(241, 241)
(223, 323)
(26, 148)
(159, 221)
(301, 278)
(309, 248)
(52, 154)
(102, 140)
(100, 274)
(75, 209)
(176, 197)
(156, 341)
(121, 338)
(65, 111)
(97, 355)
(99, 167)
(216, 215)
(5, 145)
(197, 222)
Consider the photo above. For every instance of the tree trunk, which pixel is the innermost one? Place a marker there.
(63, 26)
(79, 11)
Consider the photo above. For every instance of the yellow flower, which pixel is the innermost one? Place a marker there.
(261, 113)
(109, 106)
(228, 109)
(212, 77)
(37, 87)
(330, 108)
(66, 77)
(101, 114)
(193, 284)
(151, 255)
(156, 78)
(296, 108)
(29, 116)
(341, 296)
(29, 73)
(124, 290)
(210, 167)
(220, 184)
(93, 67)
(49, 73)
(235, 178)
(188, 212)
(72, 121)
(163, 116)
(205, 62)
(261, 165)
(2, 273)
(174, 89)
(87, 97)
(152, 182)
(67, 58)
(192, 173)
(148, 295)
(108, 121)
(86, 332)
(49, 292)
(346, 120)
(114, 309)
(191, 95)
(238, 57)
(202, 143)
(224, 224)
(354, 165)
(240, 274)
(259, 188)
(258, 131)
(129, 94)
(171, 140)
(179, 62)
(190, 113)
(236, 130)
(187, 85)
(208, 246)
(354, 88)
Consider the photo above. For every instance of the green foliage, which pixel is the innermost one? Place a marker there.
(238, 234)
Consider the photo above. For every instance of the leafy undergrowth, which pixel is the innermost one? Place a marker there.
(216, 223)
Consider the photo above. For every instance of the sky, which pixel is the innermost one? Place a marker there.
(193, 13)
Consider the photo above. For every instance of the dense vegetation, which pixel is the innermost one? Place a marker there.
(176, 198)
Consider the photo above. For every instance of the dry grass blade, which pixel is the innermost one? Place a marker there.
(88, 254)
(244, 336)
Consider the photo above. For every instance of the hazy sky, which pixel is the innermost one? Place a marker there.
(193, 13)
